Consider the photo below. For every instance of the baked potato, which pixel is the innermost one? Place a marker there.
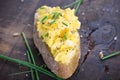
(56, 37)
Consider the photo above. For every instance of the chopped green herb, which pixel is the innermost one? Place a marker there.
(65, 37)
(64, 24)
(42, 7)
(44, 18)
(56, 15)
(52, 22)
(47, 34)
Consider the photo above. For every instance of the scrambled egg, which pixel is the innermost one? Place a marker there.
(58, 29)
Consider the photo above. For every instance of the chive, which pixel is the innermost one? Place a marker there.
(52, 22)
(65, 37)
(31, 70)
(64, 24)
(30, 53)
(42, 7)
(19, 73)
(56, 15)
(44, 18)
(111, 55)
(71, 4)
(78, 5)
(33, 66)
(47, 34)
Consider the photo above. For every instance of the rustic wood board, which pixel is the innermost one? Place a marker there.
(100, 26)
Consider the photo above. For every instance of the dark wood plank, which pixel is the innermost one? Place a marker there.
(17, 16)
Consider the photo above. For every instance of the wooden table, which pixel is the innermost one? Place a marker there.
(100, 31)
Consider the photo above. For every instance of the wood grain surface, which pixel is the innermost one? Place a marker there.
(100, 31)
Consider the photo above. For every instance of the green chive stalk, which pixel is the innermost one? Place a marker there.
(71, 4)
(78, 5)
(31, 70)
(44, 18)
(27, 64)
(19, 73)
(111, 55)
(31, 54)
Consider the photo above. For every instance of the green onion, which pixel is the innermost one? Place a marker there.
(18, 73)
(30, 53)
(56, 15)
(44, 18)
(65, 37)
(111, 55)
(78, 5)
(27, 64)
(47, 34)
(31, 70)
(71, 4)
(64, 24)
(52, 22)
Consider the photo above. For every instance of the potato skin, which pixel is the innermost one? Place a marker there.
(60, 69)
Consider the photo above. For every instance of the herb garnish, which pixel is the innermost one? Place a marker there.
(42, 7)
(19, 73)
(111, 55)
(27, 64)
(65, 36)
(53, 21)
(44, 18)
(64, 24)
(56, 15)
(47, 34)
(71, 4)
(30, 54)
(31, 70)
(76, 4)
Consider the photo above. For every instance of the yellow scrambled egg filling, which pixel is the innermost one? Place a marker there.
(58, 28)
